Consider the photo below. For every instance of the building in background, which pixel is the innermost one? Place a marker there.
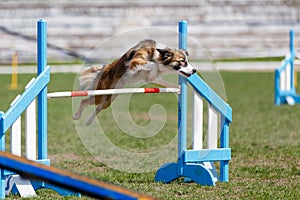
(225, 29)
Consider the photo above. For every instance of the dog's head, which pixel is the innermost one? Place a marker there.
(177, 60)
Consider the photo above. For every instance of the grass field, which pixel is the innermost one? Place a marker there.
(265, 142)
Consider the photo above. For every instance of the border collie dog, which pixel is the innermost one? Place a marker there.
(145, 61)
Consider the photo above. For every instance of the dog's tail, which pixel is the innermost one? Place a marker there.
(88, 76)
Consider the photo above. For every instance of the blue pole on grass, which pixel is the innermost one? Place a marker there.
(2, 148)
(182, 101)
(42, 96)
(292, 57)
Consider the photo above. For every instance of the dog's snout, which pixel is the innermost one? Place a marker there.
(194, 71)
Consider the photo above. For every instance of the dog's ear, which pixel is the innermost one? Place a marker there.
(185, 52)
(166, 54)
(130, 54)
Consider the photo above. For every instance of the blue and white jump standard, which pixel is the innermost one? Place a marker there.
(285, 89)
(197, 164)
(14, 168)
(11, 119)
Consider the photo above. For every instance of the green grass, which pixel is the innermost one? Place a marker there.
(265, 141)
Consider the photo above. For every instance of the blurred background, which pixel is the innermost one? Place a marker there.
(226, 29)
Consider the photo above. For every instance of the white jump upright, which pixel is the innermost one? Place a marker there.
(15, 132)
(212, 130)
(197, 121)
(23, 186)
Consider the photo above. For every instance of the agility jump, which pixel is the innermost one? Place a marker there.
(285, 78)
(195, 165)
(197, 161)
(12, 165)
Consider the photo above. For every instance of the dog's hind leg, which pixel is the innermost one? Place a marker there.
(97, 110)
(93, 115)
(83, 104)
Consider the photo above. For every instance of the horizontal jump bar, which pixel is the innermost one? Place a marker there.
(111, 91)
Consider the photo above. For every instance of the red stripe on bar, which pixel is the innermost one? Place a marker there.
(152, 90)
(79, 93)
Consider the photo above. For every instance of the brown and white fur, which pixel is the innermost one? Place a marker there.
(145, 61)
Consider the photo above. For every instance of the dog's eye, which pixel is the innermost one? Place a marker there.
(182, 62)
